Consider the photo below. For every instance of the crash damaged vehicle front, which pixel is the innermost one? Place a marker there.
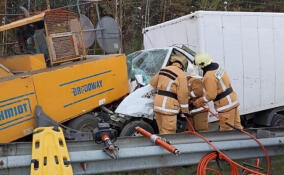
(137, 108)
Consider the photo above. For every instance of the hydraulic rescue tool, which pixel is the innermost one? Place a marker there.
(158, 140)
(104, 134)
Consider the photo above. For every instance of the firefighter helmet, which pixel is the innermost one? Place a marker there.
(202, 60)
(181, 60)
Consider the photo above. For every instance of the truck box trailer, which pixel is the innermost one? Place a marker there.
(249, 45)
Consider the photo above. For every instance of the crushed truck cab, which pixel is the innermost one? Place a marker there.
(65, 91)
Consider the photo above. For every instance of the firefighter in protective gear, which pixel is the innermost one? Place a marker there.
(172, 94)
(218, 88)
(196, 90)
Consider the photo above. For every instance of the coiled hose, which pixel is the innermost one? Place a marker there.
(217, 154)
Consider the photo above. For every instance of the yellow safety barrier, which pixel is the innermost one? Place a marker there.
(49, 152)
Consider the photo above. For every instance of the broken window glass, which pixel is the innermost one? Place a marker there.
(145, 63)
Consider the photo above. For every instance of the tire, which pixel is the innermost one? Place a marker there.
(129, 128)
(85, 123)
(278, 120)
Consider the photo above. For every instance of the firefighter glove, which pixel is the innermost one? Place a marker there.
(199, 102)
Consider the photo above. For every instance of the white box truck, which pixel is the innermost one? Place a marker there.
(249, 45)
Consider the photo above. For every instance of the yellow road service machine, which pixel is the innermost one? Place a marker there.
(58, 76)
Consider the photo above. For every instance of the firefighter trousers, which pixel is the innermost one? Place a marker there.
(167, 124)
(200, 121)
(232, 117)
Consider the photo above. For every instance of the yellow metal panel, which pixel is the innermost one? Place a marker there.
(23, 63)
(67, 92)
(17, 104)
(49, 152)
(4, 72)
(22, 22)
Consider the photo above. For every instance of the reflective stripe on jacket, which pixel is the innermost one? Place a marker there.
(215, 83)
(196, 90)
(171, 80)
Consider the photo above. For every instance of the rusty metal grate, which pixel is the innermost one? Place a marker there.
(64, 35)
(64, 47)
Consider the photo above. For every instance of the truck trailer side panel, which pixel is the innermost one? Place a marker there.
(278, 24)
(249, 45)
(232, 32)
(182, 31)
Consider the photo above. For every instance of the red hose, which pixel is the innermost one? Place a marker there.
(202, 166)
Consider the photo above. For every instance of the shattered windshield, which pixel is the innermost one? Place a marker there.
(145, 63)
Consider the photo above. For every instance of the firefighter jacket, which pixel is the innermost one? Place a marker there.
(218, 88)
(172, 94)
(196, 90)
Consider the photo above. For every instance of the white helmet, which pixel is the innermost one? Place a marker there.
(192, 72)
(202, 60)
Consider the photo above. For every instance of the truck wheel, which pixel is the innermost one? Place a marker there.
(129, 129)
(278, 120)
(85, 123)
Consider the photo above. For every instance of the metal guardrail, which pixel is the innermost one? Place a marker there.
(139, 153)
